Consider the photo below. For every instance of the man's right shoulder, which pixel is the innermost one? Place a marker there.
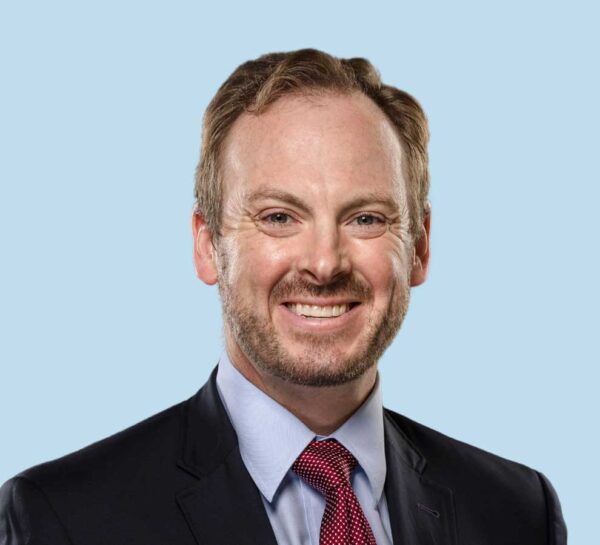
(149, 440)
(135, 461)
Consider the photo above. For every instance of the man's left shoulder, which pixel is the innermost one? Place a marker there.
(445, 455)
(480, 480)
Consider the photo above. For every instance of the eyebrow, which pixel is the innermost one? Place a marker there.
(367, 199)
(278, 195)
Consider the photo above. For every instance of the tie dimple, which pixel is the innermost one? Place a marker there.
(327, 466)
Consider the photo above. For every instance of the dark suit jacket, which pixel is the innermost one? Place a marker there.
(178, 479)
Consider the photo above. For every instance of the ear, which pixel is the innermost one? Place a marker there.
(420, 264)
(204, 250)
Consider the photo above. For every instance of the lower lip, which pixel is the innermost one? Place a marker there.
(312, 324)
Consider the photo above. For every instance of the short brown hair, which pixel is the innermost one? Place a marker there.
(256, 84)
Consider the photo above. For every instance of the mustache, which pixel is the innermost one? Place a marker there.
(346, 286)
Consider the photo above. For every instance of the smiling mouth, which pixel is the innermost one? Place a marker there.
(320, 311)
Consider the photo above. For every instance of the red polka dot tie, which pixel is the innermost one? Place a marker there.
(326, 466)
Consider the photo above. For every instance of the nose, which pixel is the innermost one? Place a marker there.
(324, 257)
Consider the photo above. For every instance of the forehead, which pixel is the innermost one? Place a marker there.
(324, 144)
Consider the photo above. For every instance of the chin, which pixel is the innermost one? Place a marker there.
(315, 364)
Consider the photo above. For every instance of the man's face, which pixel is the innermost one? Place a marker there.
(314, 262)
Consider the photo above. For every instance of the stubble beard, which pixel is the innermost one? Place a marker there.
(321, 364)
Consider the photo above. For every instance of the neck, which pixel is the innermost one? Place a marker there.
(322, 409)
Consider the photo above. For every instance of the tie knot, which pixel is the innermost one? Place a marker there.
(325, 465)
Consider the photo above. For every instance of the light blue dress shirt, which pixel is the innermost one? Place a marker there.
(271, 438)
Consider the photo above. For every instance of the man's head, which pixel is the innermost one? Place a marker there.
(256, 84)
(312, 213)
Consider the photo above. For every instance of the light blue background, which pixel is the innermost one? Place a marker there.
(101, 106)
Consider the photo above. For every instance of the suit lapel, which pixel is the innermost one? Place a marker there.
(225, 505)
(421, 511)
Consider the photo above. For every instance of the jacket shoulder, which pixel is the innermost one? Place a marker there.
(26, 516)
(445, 454)
(125, 482)
(148, 441)
(483, 482)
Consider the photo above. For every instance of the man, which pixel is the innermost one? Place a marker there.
(312, 217)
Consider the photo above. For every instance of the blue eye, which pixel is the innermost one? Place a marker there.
(278, 223)
(368, 219)
(278, 217)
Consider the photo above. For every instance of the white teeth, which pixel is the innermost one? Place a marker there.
(317, 311)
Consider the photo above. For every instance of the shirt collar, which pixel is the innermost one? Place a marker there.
(270, 437)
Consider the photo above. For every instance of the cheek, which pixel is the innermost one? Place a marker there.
(384, 263)
(257, 262)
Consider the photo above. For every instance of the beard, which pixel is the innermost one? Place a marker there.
(321, 363)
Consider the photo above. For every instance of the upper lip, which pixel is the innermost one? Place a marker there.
(323, 302)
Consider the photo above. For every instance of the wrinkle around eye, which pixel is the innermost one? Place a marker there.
(400, 229)
(377, 226)
(267, 224)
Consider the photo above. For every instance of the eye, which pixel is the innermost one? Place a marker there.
(368, 220)
(277, 223)
(367, 225)
(280, 218)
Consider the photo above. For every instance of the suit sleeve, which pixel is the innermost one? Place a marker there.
(26, 516)
(557, 530)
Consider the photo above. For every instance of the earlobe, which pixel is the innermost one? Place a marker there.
(420, 264)
(204, 251)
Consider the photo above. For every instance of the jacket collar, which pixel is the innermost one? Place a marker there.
(225, 506)
(421, 510)
(207, 434)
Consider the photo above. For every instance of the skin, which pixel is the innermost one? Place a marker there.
(315, 211)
